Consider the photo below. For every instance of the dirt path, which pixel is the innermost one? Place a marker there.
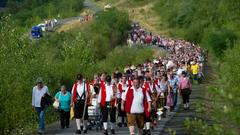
(176, 124)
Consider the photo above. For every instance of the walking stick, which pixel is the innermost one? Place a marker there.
(85, 104)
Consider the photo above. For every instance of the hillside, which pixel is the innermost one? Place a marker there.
(93, 47)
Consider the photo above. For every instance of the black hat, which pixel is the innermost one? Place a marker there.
(79, 76)
(119, 75)
(184, 73)
(108, 78)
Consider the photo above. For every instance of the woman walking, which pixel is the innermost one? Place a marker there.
(64, 99)
(185, 87)
(173, 80)
(165, 86)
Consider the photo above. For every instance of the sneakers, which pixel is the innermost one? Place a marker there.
(112, 131)
(78, 132)
(186, 106)
(125, 124)
(41, 131)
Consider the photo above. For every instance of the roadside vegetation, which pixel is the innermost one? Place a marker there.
(57, 58)
(29, 12)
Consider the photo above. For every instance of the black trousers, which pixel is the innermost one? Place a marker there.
(108, 111)
(64, 118)
(185, 95)
(121, 113)
(79, 108)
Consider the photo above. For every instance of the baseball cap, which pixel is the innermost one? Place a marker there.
(39, 80)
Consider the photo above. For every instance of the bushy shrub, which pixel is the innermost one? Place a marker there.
(109, 30)
(220, 40)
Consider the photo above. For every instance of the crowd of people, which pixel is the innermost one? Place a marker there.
(139, 96)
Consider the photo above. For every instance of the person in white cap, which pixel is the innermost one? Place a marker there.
(37, 93)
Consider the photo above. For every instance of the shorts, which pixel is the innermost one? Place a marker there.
(136, 118)
(78, 110)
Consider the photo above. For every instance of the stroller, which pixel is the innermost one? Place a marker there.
(94, 115)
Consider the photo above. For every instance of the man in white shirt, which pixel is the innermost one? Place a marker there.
(181, 69)
(121, 88)
(80, 92)
(134, 101)
(38, 92)
(107, 101)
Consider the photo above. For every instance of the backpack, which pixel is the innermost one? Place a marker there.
(46, 100)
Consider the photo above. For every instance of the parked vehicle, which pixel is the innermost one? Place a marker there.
(42, 26)
(36, 32)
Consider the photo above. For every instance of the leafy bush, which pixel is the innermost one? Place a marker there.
(200, 127)
(220, 40)
(109, 30)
